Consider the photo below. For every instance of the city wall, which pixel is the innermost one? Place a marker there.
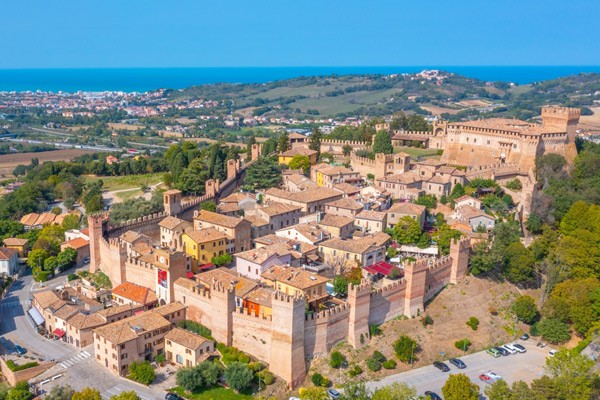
(337, 146)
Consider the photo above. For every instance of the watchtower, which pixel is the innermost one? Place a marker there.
(255, 151)
(359, 300)
(233, 167)
(415, 274)
(97, 225)
(565, 118)
(172, 201)
(459, 252)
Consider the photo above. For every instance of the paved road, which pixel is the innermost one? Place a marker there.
(77, 366)
(526, 367)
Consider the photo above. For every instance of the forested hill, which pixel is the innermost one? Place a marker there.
(447, 94)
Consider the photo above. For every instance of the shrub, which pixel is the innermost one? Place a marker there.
(231, 355)
(473, 323)
(515, 184)
(161, 358)
(389, 364)
(534, 330)
(354, 371)
(525, 309)
(238, 376)
(374, 330)
(15, 367)
(554, 330)
(373, 364)
(196, 328)
(463, 344)
(406, 348)
(378, 356)
(256, 366)
(267, 377)
(202, 376)
(72, 277)
(426, 320)
(317, 379)
(336, 359)
(141, 372)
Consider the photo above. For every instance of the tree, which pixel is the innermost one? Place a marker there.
(87, 394)
(460, 387)
(131, 395)
(238, 376)
(407, 230)
(251, 141)
(428, 201)
(572, 374)
(313, 393)
(208, 206)
(346, 150)
(406, 348)
(355, 391)
(283, 142)
(263, 174)
(141, 372)
(317, 379)
(60, 393)
(70, 221)
(314, 142)
(525, 309)
(340, 285)
(443, 237)
(457, 191)
(36, 258)
(221, 260)
(19, 392)
(300, 162)
(554, 330)
(202, 376)
(383, 143)
(395, 391)
(519, 265)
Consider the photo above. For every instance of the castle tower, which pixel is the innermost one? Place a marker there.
(359, 300)
(233, 167)
(172, 201)
(223, 307)
(287, 338)
(401, 163)
(97, 224)
(566, 119)
(381, 165)
(459, 251)
(211, 187)
(415, 274)
(255, 151)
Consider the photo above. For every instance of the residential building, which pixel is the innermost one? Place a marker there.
(400, 210)
(337, 225)
(258, 302)
(297, 183)
(287, 156)
(172, 230)
(130, 293)
(238, 230)
(297, 282)
(469, 201)
(226, 278)
(325, 175)
(302, 253)
(18, 244)
(475, 217)
(277, 215)
(9, 261)
(344, 207)
(310, 201)
(203, 245)
(81, 246)
(186, 349)
(252, 263)
(308, 233)
(357, 252)
(371, 221)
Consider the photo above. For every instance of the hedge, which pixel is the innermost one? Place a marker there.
(14, 367)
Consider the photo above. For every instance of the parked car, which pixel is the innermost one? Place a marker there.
(524, 336)
(519, 348)
(333, 394)
(494, 376)
(485, 377)
(20, 350)
(172, 396)
(294, 398)
(502, 351)
(457, 363)
(552, 352)
(441, 366)
(493, 352)
(541, 344)
(432, 395)
(510, 348)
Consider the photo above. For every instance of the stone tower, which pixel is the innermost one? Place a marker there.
(415, 274)
(223, 307)
(359, 300)
(172, 201)
(211, 187)
(459, 251)
(566, 119)
(287, 338)
(233, 167)
(97, 224)
(256, 151)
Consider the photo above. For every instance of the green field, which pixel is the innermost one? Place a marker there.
(415, 152)
(111, 183)
(218, 393)
(129, 194)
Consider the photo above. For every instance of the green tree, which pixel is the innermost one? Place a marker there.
(336, 359)
(238, 376)
(572, 374)
(395, 391)
(457, 191)
(340, 285)
(300, 162)
(283, 142)
(355, 391)
(251, 141)
(221, 260)
(60, 393)
(202, 376)
(131, 395)
(313, 393)
(407, 230)
(428, 201)
(346, 150)
(314, 142)
(460, 387)
(406, 348)
(263, 174)
(19, 392)
(36, 258)
(383, 143)
(141, 372)
(443, 237)
(554, 330)
(87, 394)
(519, 263)
(208, 206)
(70, 221)
(525, 309)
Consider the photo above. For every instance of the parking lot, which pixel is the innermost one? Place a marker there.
(526, 367)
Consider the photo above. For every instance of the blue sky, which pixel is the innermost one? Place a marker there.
(196, 33)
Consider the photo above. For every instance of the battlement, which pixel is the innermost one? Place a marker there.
(439, 263)
(330, 312)
(413, 133)
(364, 160)
(140, 263)
(245, 312)
(463, 243)
(392, 287)
(286, 298)
(364, 286)
(336, 142)
(556, 110)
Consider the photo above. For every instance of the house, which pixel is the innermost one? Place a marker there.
(36, 221)
(406, 186)
(130, 293)
(310, 201)
(82, 247)
(302, 253)
(310, 233)
(186, 349)
(9, 261)
(258, 302)
(337, 225)
(287, 156)
(357, 252)
(476, 218)
(437, 186)
(277, 215)
(467, 200)
(252, 263)
(226, 278)
(297, 183)
(112, 160)
(371, 221)
(238, 230)
(203, 245)
(325, 175)
(297, 282)
(400, 210)
(297, 140)
(344, 207)
(172, 230)
(18, 244)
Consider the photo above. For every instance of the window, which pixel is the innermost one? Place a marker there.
(179, 359)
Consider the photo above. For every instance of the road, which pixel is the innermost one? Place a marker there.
(77, 366)
(525, 367)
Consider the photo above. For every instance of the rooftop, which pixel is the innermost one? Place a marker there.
(204, 235)
(173, 222)
(371, 215)
(186, 339)
(336, 221)
(358, 245)
(257, 256)
(136, 293)
(307, 196)
(406, 208)
(295, 277)
(345, 203)
(303, 151)
(6, 253)
(218, 219)
(131, 328)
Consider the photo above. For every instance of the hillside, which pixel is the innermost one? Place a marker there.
(448, 95)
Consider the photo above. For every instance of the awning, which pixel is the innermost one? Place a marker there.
(382, 268)
(36, 316)
(189, 275)
(204, 267)
(59, 333)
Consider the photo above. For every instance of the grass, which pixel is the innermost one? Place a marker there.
(130, 194)
(415, 152)
(125, 182)
(217, 393)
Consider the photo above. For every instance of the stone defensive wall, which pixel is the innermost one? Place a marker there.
(362, 165)
(335, 146)
(252, 333)
(490, 170)
(324, 329)
(140, 272)
(388, 302)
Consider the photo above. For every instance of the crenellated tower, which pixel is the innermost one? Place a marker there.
(459, 252)
(97, 225)
(415, 274)
(255, 151)
(359, 300)
(223, 306)
(172, 201)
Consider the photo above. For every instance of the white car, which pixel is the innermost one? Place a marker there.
(511, 349)
(520, 348)
(552, 352)
(494, 376)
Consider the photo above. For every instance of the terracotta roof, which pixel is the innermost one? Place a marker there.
(468, 212)
(204, 235)
(509, 125)
(345, 203)
(15, 242)
(311, 231)
(227, 278)
(371, 215)
(274, 240)
(303, 151)
(83, 320)
(262, 296)
(29, 219)
(336, 221)
(257, 256)
(406, 208)
(65, 312)
(465, 197)
(218, 219)
(186, 339)
(173, 222)
(77, 243)
(329, 170)
(172, 191)
(131, 328)
(274, 208)
(295, 135)
(309, 195)
(301, 181)
(169, 308)
(6, 253)
(109, 312)
(133, 236)
(346, 188)
(406, 178)
(228, 208)
(357, 246)
(257, 221)
(47, 299)
(237, 197)
(295, 277)
(136, 293)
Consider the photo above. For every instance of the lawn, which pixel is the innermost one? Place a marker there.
(218, 393)
(130, 194)
(415, 152)
(125, 182)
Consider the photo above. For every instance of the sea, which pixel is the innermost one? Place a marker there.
(146, 79)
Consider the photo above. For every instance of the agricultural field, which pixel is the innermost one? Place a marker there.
(590, 121)
(125, 183)
(8, 162)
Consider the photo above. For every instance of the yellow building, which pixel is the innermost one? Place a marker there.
(297, 282)
(202, 245)
(285, 158)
